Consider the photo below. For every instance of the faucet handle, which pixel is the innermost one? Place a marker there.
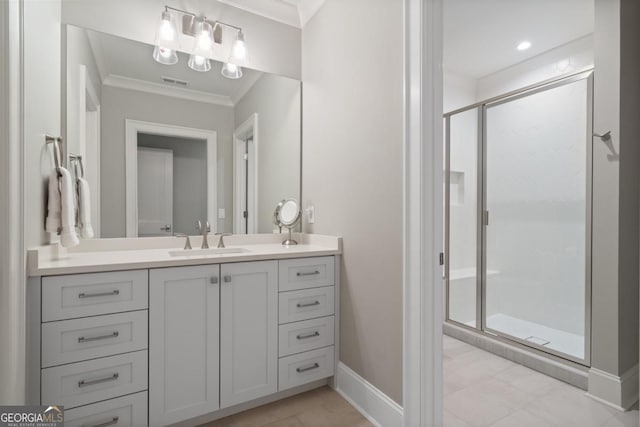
(199, 226)
(221, 240)
(187, 244)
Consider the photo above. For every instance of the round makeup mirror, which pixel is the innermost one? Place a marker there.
(287, 214)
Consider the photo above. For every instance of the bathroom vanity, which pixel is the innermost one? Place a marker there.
(140, 332)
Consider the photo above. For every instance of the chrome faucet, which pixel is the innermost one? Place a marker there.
(205, 233)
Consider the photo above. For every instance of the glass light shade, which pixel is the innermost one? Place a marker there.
(231, 71)
(165, 56)
(199, 63)
(238, 50)
(167, 34)
(203, 40)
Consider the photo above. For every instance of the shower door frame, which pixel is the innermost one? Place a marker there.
(482, 214)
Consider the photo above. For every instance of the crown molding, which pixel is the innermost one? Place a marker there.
(122, 82)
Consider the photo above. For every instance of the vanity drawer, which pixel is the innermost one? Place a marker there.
(305, 304)
(75, 340)
(80, 295)
(127, 411)
(298, 337)
(305, 367)
(87, 382)
(304, 273)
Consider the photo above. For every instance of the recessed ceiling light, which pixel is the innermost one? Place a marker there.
(524, 45)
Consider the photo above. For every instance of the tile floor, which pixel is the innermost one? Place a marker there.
(481, 389)
(321, 407)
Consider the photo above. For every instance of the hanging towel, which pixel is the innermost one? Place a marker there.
(84, 209)
(54, 222)
(61, 214)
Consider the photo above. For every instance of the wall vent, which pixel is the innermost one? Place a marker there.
(174, 81)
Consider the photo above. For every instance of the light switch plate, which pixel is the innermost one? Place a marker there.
(311, 214)
(221, 213)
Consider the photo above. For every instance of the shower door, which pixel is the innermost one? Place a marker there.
(518, 216)
(537, 217)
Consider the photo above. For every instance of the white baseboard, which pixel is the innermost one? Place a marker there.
(619, 392)
(376, 406)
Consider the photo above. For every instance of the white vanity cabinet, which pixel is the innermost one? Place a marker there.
(248, 331)
(184, 327)
(172, 345)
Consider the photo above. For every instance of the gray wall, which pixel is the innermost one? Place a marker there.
(629, 181)
(352, 172)
(121, 104)
(277, 101)
(615, 190)
(272, 46)
(189, 178)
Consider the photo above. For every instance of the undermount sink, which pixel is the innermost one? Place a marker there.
(205, 252)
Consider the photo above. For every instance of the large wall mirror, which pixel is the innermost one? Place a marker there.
(165, 146)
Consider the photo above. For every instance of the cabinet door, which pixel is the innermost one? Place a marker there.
(184, 327)
(248, 331)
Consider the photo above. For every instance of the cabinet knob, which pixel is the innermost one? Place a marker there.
(227, 279)
(214, 280)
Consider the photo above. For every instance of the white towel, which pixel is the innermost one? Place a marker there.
(61, 213)
(84, 209)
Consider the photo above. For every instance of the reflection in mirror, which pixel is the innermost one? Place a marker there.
(164, 147)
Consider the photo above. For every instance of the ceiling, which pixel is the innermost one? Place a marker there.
(291, 12)
(119, 58)
(480, 36)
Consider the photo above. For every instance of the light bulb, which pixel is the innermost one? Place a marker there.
(167, 32)
(203, 43)
(239, 49)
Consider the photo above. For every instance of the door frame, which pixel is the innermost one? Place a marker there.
(250, 125)
(422, 214)
(132, 129)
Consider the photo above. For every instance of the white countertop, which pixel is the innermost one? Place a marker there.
(153, 252)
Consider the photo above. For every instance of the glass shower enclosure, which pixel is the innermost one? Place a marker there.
(518, 216)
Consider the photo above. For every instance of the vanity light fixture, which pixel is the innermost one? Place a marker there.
(206, 33)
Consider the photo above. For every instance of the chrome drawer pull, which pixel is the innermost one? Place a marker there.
(311, 335)
(98, 338)
(312, 273)
(308, 368)
(309, 304)
(111, 422)
(84, 383)
(99, 294)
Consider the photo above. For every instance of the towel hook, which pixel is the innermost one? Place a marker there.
(56, 149)
(77, 159)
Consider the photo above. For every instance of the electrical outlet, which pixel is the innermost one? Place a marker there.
(221, 213)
